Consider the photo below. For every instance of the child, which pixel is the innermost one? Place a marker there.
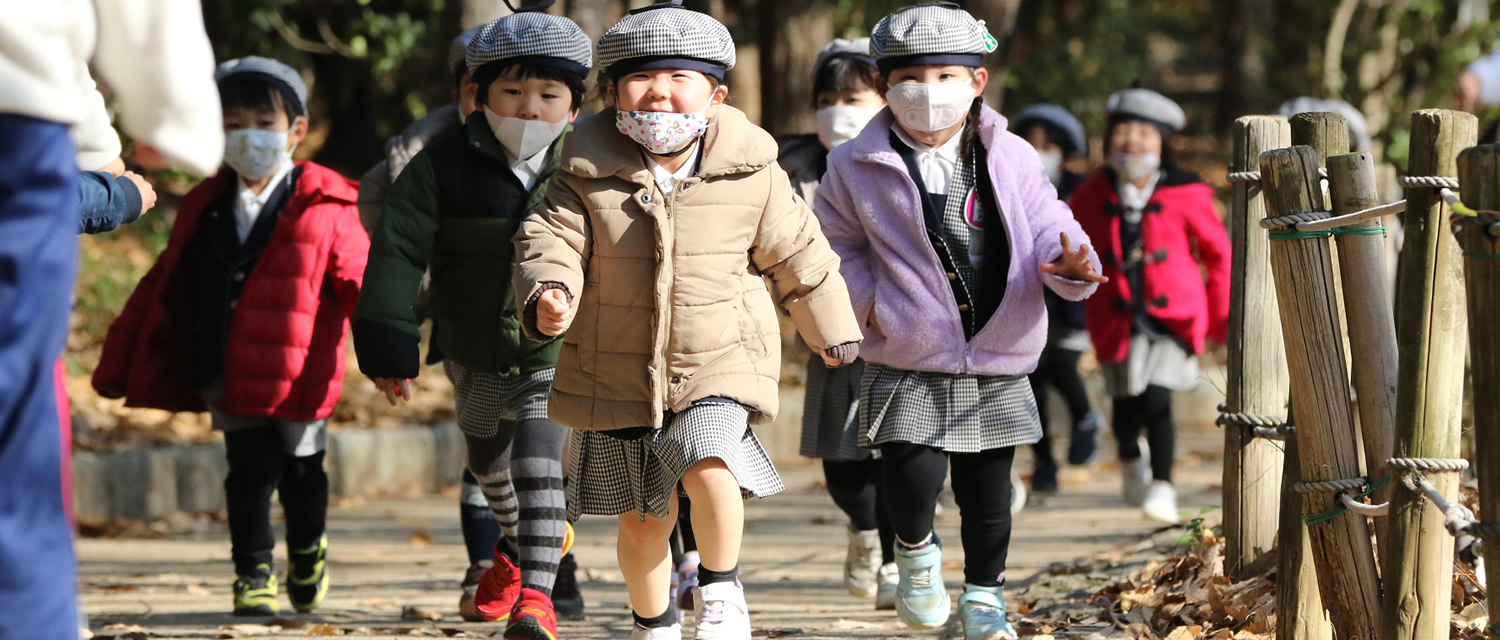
(1058, 137)
(1149, 324)
(845, 96)
(244, 314)
(455, 207)
(651, 246)
(948, 230)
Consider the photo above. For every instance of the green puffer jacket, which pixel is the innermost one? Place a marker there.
(455, 207)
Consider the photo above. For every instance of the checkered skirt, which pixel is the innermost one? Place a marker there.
(954, 413)
(485, 398)
(830, 416)
(609, 476)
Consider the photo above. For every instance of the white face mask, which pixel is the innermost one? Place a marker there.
(931, 107)
(842, 123)
(256, 154)
(523, 138)
(1135, 167)
(1052, 162)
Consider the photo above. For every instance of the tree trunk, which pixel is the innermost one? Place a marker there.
(477, 12)
(1247, 33)
(1000, 17)
(791, 36)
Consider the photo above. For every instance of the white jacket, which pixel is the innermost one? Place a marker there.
(153, 54)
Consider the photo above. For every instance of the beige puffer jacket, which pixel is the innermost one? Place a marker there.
(671, 304)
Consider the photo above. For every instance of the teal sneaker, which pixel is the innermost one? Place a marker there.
(921, 600)
(982, 610)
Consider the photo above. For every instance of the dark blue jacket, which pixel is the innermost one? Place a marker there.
(107, 201)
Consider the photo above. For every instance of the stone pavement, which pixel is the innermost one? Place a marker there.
(391, 555)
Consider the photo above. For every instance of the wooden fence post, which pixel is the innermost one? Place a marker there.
(1479, 175)
(1326, 442)
(1300, 614)
(1257, 382)
(1367, 310)
(1431, 332)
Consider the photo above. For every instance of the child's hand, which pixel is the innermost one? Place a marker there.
(148, 194)
(831, 361)
(553, 313)
(1074, 265)
(395, 389)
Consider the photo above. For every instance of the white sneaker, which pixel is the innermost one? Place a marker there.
(722, 612)
(1135, 480)
(1161, 502)
(673, 632)
(861, 563)
(887, 579)
(1017, 493)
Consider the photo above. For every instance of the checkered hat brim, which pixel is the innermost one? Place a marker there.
(930, 29)
(667, 32)
(276, 70)
(531, 35)
(460, 47)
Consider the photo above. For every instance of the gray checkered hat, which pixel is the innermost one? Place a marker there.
(1057, 117)
(277, 73)
(931, 33)
(841, 48)
(1148, 105)
(1359, 129)
(533, 38)
(460, 47)
(666, 36)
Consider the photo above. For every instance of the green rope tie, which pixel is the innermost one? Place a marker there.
(1482, 256)
(1314, 519)
(1293, 234)
(1359, 231)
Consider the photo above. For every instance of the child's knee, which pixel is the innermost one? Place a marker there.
(645, 533)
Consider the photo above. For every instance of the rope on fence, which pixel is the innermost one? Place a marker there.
(1331, 486)
(1254, 176)
(1364, 509)
(1450, 465)
(1336, 223)
(1293, 220)
(1282, 432)
(1342, 487)
(1429, 182)
(1261, 425)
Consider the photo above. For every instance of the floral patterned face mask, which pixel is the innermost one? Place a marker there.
(662, 132)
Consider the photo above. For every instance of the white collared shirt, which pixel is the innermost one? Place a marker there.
(530, 169)
(667, 180)
(1134, 199)
(248, 204)
(937, 164)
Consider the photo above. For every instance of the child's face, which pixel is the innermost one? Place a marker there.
(511, 96)
(274, 119)
(867, 98)
(668, 90)
(1135, 137)
(934, 74)
(1037, 136)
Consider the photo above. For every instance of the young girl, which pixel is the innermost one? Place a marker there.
(1149, 324)
(1058, 137)
(845, 96)
(650, 250)
(243, 315)
(948, 230)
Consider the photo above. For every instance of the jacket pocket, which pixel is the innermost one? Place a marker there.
(752, 337)
(873, 320)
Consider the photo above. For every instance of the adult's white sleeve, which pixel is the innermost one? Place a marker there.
(1488, 71)
(156, 57)
(97, 141)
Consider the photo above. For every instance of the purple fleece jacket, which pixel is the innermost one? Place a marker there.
(872, 214)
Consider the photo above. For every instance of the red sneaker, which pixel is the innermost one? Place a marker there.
(499, 590)
(533, 619)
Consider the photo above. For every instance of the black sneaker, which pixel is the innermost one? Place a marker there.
(566, 597)
(1081, 445)
(1044, 477)
(255, 593)
(307, 581)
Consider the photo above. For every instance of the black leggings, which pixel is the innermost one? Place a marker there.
(856, 489)
(981, 485)
(1058, 369)
(1152, 411)
(259, 465)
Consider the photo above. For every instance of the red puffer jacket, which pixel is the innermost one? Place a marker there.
(1188, 299)
(285, 358)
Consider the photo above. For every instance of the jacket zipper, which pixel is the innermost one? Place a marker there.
(671, 250)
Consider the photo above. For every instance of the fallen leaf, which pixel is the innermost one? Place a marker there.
(419, 538)
(117, 588)
(196, 590)
(323, 630)
(287, 623)
(413, 613)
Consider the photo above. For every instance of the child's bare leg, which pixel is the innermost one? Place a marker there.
(718, 513)
(646, 560)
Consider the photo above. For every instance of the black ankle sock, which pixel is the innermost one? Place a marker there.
(707, 576)
(666, 619)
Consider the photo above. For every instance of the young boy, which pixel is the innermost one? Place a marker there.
(243, 315)
(455, 208)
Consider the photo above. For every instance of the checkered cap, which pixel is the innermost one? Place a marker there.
(1057, 117)
(460, 47)
(930, 29)
(276, 72)
(666, 31)
(839, 48)
(1359, 129)
(1148, 105)
(539, 37)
